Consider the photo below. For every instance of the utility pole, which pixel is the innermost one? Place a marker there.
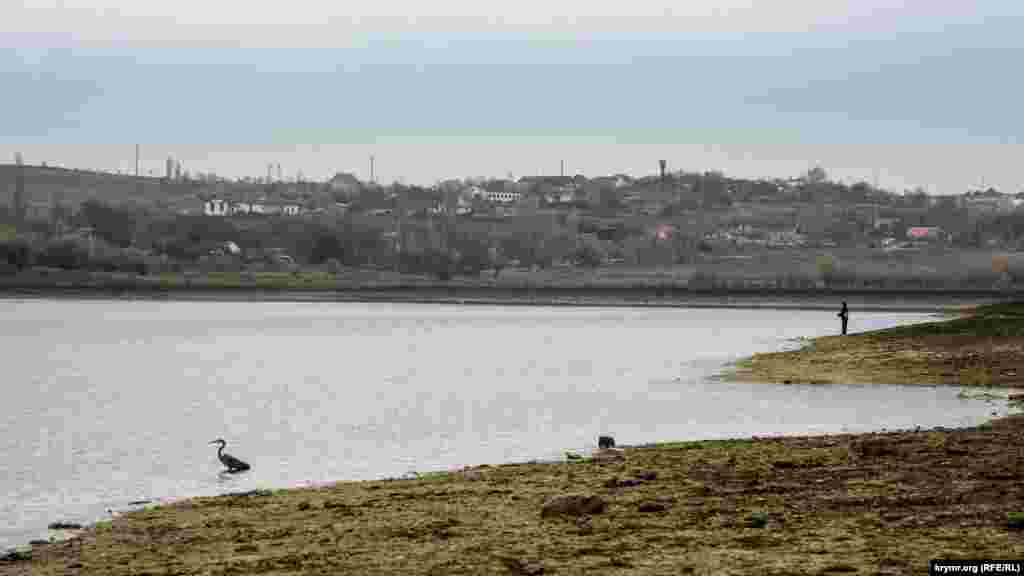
(372, 177)
(399, 231)
(19, 189)
(138, 182)
(562, 169)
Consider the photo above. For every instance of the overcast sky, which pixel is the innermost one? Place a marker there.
(912, 92)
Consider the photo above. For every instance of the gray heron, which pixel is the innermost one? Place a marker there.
(233, 464)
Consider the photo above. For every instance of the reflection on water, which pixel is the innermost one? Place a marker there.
(113, 402)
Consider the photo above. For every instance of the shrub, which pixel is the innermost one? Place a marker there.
(826, 265)
(66, 254)
(16, 254)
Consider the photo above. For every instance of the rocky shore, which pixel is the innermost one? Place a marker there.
(883, 503)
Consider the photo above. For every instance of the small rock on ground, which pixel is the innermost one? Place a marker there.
(609, 455)
(652, 507)
(616, 482)
(573, 505)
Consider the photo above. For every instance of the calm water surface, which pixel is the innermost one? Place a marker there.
(109, 402)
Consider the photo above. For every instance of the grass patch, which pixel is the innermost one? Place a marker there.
(757, 520)
(704, 444)
(103, 525)
(984, 395)
(1015, 520)
(437, 475)
(995, 320)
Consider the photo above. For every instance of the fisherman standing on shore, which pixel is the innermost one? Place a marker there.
(844, 316)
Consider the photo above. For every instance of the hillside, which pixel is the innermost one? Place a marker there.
(46, 186)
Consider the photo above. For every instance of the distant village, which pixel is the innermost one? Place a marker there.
(669, 217)
(822, 213)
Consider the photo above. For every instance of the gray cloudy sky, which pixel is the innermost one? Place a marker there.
(916, 92)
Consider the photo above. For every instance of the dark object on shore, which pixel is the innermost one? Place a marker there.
(651, 507)
(1015, 520)
(616, 482)
(16, 556)
(605, 442)
(874, 447)
(249, 494)
(844, 316)
(524, 567)
(573, 505)
(757, 520)
(65, 526)
(647, 475)
(233, 464)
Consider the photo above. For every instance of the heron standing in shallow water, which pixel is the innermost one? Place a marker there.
(233, 464)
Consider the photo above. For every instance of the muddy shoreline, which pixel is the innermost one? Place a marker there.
(861, 301)
(883, 503)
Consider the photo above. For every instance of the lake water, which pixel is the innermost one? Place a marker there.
(110, 402)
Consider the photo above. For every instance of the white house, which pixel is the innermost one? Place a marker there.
(216, 207)
(502, 197)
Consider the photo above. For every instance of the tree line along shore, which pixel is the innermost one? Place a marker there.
(879, 503)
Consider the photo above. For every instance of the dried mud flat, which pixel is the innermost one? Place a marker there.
(866, 504)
